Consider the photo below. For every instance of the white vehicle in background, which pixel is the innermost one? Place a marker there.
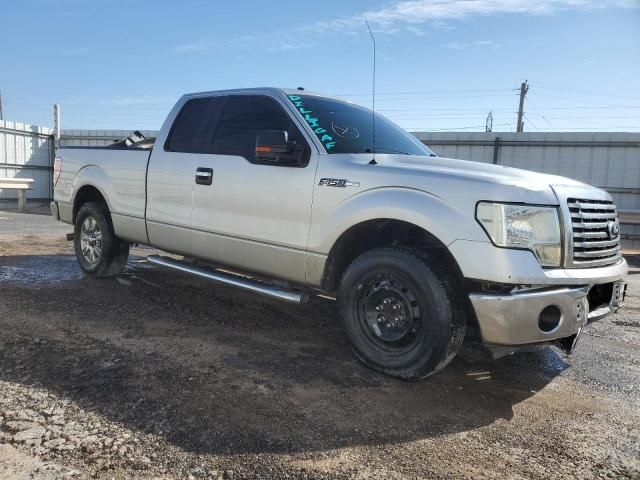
(420, 251)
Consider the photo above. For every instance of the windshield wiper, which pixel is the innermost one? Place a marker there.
(390, 150)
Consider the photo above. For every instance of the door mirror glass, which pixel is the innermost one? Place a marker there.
(274, 146)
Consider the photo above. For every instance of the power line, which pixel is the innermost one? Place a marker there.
(594, 117)
(623, 128)
(530, 122)
(458, 128)
(484, 109)
(543, 117)
(424, 92)
(577, 100)
(547, 121)
(422, 109)
(448, 97)
(551, 86)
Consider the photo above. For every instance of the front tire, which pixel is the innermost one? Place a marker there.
(98, 250)
(401, 317)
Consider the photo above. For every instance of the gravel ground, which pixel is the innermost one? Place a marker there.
(161, 375)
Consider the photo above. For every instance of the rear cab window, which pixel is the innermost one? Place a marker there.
(183, 136)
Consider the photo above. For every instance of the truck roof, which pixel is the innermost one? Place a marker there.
(286, 91)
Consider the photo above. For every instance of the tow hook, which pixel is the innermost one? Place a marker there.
(568, 344)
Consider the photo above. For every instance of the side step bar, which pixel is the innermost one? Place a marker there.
(232, 280)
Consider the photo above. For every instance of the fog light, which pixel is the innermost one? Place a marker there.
(549, 318)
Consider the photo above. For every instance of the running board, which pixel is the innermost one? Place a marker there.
(232, 280)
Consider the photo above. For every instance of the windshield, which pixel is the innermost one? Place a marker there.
(343, 127)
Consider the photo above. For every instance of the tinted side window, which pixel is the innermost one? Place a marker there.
(240, 122)
(185, 128)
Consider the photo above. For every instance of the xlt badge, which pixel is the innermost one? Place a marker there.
(338, 182)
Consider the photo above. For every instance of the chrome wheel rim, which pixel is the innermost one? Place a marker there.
(91, 240)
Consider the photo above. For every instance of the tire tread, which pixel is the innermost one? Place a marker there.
(115, 251)
(447, 287)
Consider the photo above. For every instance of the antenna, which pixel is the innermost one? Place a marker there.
(373, 94)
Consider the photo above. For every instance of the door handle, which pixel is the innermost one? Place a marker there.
(204, 176)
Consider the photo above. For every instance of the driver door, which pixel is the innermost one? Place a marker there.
(253, 215)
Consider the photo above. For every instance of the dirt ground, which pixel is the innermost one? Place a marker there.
(160, 375)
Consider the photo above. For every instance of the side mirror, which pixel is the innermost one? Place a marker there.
(271, 145)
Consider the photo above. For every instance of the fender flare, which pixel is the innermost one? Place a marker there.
(420, 208)
(91, 176)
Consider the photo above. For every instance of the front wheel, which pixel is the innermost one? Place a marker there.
(98, 250)
(401, 317)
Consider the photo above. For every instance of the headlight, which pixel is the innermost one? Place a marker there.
(523, 226)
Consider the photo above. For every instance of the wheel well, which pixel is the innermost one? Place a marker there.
(382, 233)
(395, 233)
(88, 193)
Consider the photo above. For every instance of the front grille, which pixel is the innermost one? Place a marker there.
(594, 243)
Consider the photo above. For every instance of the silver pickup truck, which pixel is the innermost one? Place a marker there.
(300, 193)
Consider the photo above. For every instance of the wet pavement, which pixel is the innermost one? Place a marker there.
(157, 374)
(38, 271)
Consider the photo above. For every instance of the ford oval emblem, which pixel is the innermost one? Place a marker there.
(614, 229)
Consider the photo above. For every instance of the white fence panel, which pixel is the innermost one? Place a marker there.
(96, 138)
(26, 151)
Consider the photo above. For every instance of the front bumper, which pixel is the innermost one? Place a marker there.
(541, 315)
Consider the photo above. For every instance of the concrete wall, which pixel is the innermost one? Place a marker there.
(26, 151)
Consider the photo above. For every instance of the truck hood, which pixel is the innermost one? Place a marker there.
(531, 187)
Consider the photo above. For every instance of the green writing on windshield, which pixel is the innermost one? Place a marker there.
(313, 122)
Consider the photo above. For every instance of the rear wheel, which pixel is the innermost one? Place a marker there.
(99, 252)
(402, 318)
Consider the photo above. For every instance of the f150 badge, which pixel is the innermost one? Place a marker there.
(337, 182)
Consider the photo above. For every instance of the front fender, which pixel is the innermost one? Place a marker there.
(420, 208)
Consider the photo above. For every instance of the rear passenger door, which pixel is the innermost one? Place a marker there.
(254, 215)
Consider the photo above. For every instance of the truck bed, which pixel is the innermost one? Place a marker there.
(123, 171)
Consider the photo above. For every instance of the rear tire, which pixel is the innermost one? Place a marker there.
(100, 253)
(402, 317)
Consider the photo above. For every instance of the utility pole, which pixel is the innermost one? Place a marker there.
(1, 112)
(524, 88)
(56, 124)
(488, 127)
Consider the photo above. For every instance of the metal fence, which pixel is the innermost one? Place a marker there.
(26, 151)
(606, 160)
(96, 138)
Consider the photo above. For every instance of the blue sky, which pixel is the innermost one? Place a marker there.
(442, 64)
